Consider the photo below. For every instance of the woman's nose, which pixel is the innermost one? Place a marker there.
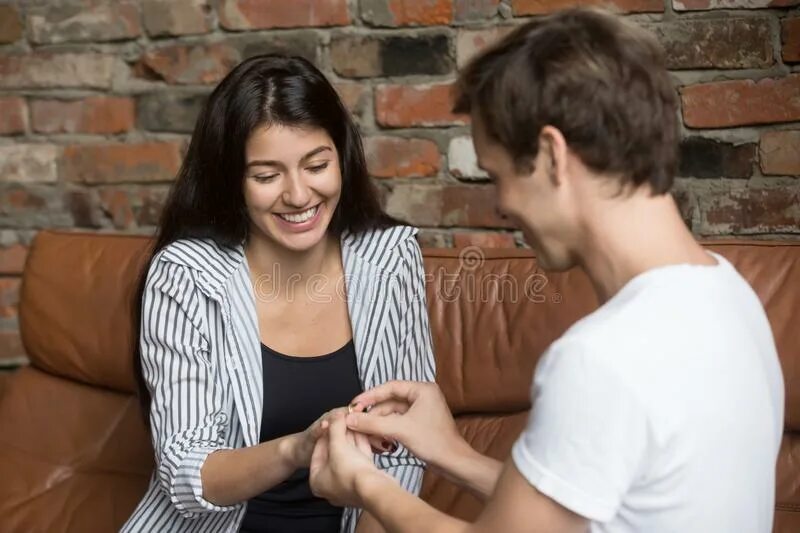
(297, 193)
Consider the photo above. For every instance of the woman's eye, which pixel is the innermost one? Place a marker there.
(318, 168)
(261, 178)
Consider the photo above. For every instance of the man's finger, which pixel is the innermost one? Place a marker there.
(319, 457)
(337, 431)
(362, 443)
(391, 390)
(389, 407)
(381, 426)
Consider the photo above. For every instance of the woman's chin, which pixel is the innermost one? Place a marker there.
(297, 241)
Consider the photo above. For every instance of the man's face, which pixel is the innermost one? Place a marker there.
(530, 196)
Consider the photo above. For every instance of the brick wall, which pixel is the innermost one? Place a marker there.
(97, 99)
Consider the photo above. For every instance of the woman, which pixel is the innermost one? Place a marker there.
(277, 291)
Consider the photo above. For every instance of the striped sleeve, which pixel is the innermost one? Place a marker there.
(412, 361)
(186, 426)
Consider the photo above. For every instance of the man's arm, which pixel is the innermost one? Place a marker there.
(342, 471)
(469, 469)
(516, 506)
(416, 415)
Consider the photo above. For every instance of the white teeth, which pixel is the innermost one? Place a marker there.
(297, 218)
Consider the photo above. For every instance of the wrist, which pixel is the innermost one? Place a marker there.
(371, 482)
(454, 451)
(287, 449)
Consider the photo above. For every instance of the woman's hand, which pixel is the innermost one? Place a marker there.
(300, 446)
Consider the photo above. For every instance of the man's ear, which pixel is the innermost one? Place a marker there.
(553, 148)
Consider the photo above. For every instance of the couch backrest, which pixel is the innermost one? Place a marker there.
(493, 312)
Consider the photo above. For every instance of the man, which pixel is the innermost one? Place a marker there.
(661, 411)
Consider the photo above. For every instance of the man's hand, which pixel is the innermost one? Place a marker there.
(413, 413)
(341, 460)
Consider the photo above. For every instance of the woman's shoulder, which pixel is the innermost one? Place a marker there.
(197, 261)
(201, 254)
(388, 247)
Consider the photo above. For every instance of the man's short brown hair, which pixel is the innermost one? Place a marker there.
(599, 79)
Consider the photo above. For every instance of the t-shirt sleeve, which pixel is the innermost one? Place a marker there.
(586, 438)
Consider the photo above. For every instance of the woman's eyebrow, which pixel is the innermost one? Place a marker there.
(270, 162)
(315, 151)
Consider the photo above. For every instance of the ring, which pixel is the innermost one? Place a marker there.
(349, 409)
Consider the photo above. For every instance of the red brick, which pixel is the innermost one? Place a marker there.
(395, 157)
(751, 211)
(81, 203)
(696, 5)
(27, 163)
(13, 115)
(354, 96)
(472, 207)
(540, 7)
(733, 42)
(407, 12)
(12, 259)
(176, 17)
(420, 205)
(741, 102)
(10, 24)
(9, 297)
(446, 206)
(400, 106)
(474, 10)
(484, 239)
(259, 14)
(11, 345)
(356, 56)
(90, 115)
(780, 152)
(150, 204)
(83, 21)
(122, 163)
(41, 70)
(790, 36)
(470, 42)
(21, 201)
(116, 203)
(191, 64)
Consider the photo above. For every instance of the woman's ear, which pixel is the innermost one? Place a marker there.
(553, 147)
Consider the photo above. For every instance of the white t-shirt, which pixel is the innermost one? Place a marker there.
(662, 411)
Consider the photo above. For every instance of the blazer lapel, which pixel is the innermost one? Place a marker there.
(243, 353)
(367, 292)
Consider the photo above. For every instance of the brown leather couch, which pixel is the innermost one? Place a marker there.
(74, 453)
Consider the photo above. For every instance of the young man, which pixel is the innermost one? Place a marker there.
(661, 411)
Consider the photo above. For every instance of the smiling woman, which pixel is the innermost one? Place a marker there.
(292, 184)
(237, 367)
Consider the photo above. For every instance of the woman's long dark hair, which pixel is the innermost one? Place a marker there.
(207, 199)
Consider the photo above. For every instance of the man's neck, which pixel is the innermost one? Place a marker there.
(627, 236)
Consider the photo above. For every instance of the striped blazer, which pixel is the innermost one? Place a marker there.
(201, 360)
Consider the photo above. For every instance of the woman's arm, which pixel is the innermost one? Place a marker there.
(232, 476)
(195, 464)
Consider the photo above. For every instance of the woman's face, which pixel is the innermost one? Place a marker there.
(292, 184)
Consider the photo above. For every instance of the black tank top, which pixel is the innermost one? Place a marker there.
(297, 391)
